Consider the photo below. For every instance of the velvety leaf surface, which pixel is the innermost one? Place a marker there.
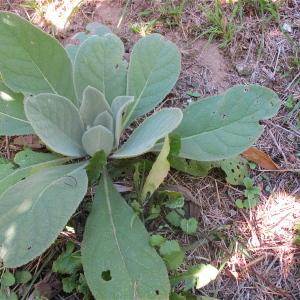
(93, 103)
(153, 71)
(36, 209)
(106, 120)
(27, 157)
(93, 28)
(223, 126)
(119, 107)
(149, 132)
(96, 139)
(56, 121)
(31, 61)
(118, 261)
(99, 63)
(15, 175)
(12, 117)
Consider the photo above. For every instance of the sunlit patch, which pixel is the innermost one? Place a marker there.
(10, 233)
(6, 97)
(25, 206)
(58, 12)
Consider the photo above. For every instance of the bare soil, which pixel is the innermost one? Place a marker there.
(255, 246)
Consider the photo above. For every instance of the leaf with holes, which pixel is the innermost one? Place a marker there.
(117, 259)
(224, 126)
(31, 61)
(99, 63)
(35, 210)
(153, 71)
(93, 28)
(56, 121)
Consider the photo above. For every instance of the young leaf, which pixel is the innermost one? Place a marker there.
(156, 240)
(31, 61)
(189, 226)
(99, 63)
(12, 117)
(68, 262)
(153, 71)
(196, 276)
(117, 258)
(93, 103)
(174, 218)
(158, 172)
(119, 107)
(56, 121)
(27, 157)
(172, 254)
(95, 166)
(226, 125)
(7, 279)
(149, 132)
(69, 284)
(106, 120)
(96, 139)
(23, 277)
(36, 209)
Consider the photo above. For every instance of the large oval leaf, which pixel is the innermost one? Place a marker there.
(56, 121)
(223, 126)
(99, 63)
(149, 132)
(31, 61)
(35, 210)
(12, 117)
(117, 259)
(93, 103)
(153, 71)
(96, 139)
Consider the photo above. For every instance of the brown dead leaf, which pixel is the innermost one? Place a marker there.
(260, 158)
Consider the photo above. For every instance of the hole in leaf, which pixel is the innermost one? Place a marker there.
(106, 275)
(157, 292)
(246, 90)
(238, 166)
(29, 248)
(116, 66)
(232, 170)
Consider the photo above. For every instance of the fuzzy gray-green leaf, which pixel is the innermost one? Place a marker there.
(153, 71)
(56, 121)
(223, 126)
(36, 209)
(149, 132)
(31, 61)
(118, 261)
(12, 117)
(93, 103)
(119, 107)
(99, 63)
(105, 119)
(96, 139)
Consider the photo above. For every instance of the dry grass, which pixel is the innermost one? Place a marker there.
(255, 246)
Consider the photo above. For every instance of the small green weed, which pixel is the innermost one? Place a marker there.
(251, 194)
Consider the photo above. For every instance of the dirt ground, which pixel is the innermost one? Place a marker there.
(260, 260)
